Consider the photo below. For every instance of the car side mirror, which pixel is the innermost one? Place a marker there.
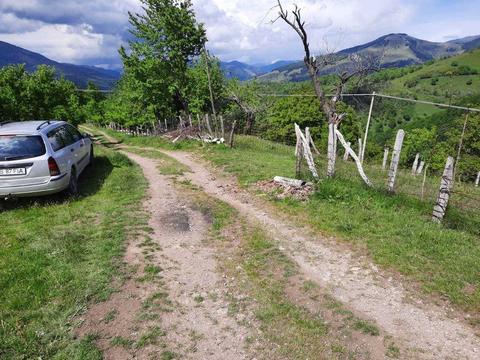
(86, 136)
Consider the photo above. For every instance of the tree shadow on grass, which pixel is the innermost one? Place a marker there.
(89, 183)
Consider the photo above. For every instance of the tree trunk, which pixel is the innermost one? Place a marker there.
(395, 160)
(331, 153)
(355, 157)
(289, 182)
(478, 179)
(444, 193)
(415, 165)
(385, 159)
(250, 123)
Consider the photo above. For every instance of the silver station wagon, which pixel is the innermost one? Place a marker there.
(41, 158)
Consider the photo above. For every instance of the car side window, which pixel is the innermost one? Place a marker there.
(67, 137)
(74, 132)
(60, 138)
(55, 139)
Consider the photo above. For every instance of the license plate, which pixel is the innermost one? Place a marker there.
(12, 172)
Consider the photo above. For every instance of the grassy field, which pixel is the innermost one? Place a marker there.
(449, 84)
(59, 254)
(394, 229)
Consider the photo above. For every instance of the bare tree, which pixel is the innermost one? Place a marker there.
(250, 108)
(359, 65)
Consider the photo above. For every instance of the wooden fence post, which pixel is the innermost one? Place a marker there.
(444, 193)
(478, 179)
(209, 128)
(395, 160)
(346, 155)
(360, 149)
(310, 140)
(362, 154)
(307, 153)
(232, 133)
(354, 157)
(222, 127)
(385, 158)
(298, 155)
(415, 165)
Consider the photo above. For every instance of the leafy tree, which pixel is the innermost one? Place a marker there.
(37, 96)
(197, 92)
(168, 37)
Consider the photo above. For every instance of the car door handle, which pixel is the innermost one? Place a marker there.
(72, 150)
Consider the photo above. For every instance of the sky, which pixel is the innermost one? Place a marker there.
(91, 31)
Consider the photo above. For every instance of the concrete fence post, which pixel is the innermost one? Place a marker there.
(415, 165)
(397, 149)
(440, 207)
(385, 158)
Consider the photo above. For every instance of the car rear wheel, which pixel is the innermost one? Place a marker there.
(92, 157)
(73, 183)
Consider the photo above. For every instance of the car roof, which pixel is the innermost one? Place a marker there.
(29, 127)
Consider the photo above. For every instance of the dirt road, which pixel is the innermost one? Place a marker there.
(423, 329)
(427, 331)
(173, 306)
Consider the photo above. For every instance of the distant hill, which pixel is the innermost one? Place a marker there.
(242, 71)
(398, 50)
(445, 80)
(79, 74)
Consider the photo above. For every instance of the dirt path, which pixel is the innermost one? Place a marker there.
(427, 331)
(173, 305)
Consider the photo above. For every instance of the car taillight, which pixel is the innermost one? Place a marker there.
(53, 167)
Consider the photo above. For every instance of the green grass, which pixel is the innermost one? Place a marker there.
(394, 229)
(57, 255)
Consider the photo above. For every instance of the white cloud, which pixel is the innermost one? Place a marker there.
(90, 31)
(66, 43)
(238, 28)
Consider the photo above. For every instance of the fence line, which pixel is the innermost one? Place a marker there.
(383, 96)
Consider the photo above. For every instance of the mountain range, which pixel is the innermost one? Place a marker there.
(79, 74)
(397, 50)
(243, 71)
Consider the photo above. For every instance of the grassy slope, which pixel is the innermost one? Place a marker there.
(57, 255)
(455, 84)
(395, 230)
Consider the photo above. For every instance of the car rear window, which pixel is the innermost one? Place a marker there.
(16, 147)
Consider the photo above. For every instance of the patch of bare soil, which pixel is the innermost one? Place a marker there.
(428, 332)
(285, 191)
(174, 305)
